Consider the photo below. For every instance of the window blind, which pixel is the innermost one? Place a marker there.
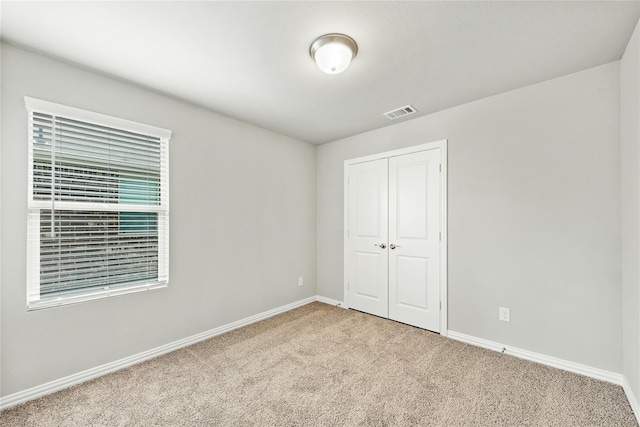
(98, 205)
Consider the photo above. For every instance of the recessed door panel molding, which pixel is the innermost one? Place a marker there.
(410, 200)
(366, 281)
(409, 270)
(368, 202)
(395, 235)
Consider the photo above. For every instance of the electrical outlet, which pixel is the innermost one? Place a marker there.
(504, 314)
(300, 281)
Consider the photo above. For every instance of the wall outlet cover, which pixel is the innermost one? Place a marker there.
(504, 314)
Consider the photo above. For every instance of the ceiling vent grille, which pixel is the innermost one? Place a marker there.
(400, 112)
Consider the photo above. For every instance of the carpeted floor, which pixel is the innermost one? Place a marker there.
(324, 366)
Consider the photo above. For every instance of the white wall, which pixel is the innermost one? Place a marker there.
(630, 168)
(243, 210)
(534, 214)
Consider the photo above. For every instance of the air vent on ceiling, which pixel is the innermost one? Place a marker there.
(399, 112)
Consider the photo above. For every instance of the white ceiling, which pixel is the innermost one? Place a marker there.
(250, 60)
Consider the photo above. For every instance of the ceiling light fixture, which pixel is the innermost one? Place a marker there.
(333, 52)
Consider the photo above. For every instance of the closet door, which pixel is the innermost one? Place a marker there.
(414, 239)
(367, 239)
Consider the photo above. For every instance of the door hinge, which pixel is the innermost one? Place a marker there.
(440, 305)
(440, 167)
(440, 235)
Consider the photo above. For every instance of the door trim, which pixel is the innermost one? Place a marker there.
(442, 144)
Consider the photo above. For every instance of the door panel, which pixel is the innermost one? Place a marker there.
(411, 204)
(368, 203)
(414, 229)
(409, 271)
(368, 273)
(366, 269)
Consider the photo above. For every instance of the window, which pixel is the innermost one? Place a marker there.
(98, 206)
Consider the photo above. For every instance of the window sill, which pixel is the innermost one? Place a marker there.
(50, 302)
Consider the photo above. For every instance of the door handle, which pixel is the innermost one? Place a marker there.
(392, 246)
(381, 245)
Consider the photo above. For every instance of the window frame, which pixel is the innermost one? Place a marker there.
(34, 300)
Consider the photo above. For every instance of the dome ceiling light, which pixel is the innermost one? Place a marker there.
(333, 52)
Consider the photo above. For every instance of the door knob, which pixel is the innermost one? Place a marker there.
(392, 246)
(382, 245)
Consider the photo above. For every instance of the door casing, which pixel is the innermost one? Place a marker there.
(442, 144)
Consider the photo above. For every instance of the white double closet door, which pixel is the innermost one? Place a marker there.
(394, 238)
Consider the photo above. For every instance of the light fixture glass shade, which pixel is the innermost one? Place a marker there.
(333, 52)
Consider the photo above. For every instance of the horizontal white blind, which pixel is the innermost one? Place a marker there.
(98, 207)
(80, 250)
(93, 163)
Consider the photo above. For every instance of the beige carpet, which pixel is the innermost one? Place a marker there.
(324, 366)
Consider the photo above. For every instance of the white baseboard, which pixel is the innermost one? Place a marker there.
(330, 301)
(632, 399)
(89, 374)
(600, 374)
